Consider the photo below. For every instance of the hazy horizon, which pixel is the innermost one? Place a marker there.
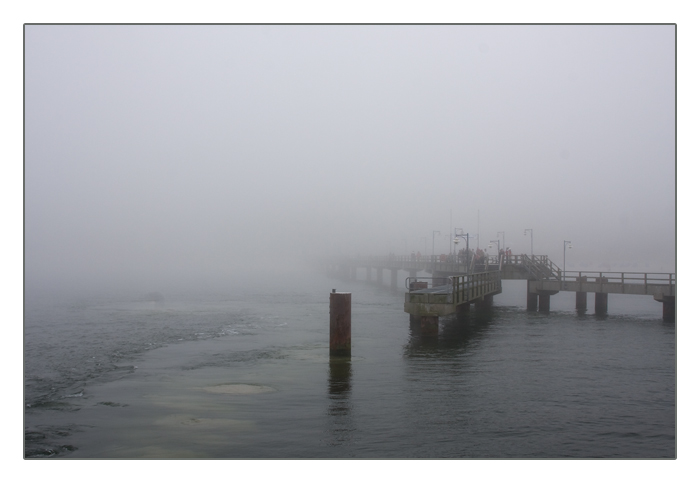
(157, 154)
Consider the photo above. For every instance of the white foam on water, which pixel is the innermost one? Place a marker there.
(203, 423)
(239, 389)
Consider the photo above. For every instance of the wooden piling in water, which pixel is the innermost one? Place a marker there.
(340, 324)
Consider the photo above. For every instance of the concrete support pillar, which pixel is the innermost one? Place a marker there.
(394, 278)
(369, 274)
(581, 301)
(486, 303)
(531, 302)
(669, 310)
(429, 324)
(379, 275)
(601, 303)
(463, 309)
(531, 299)
(601, 299)
(581, 297)
(340, 324)
(544, 302)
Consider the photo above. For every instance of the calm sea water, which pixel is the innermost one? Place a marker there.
(246, 374)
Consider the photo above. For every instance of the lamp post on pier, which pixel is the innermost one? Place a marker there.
(433, 254)
(565, 242)
(504, 238)
(531, 244)
(466, 238)
(498, 254)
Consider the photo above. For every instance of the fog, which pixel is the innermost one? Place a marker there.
(201, 155)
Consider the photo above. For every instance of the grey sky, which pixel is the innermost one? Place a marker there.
(159, 153)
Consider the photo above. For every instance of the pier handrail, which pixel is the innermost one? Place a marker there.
(541, 267)
(431, 282)
(538, 266)
(474, 285)
(645, 278)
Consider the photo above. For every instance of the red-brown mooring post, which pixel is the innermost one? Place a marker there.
(340, 324)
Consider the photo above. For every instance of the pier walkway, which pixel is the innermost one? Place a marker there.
(454, 284)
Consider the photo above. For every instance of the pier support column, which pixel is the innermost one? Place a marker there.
(601, 299)
(531, 302)
(601, 303)
(379, 275)
(669, 313)
(463, 309)
(531, 299)
(581, 302)
(340, 324)
(669, 310)
(394, 278)
(544, 302)
(369, 274)
(486, 303)
(429, 324)
(581, 297)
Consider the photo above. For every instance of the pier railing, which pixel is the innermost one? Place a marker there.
(570, 279)
(533, 267)
(467, 288)
(437, 296)
(441, 263)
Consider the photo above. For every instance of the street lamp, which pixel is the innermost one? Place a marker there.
(504, 238)
(498, 254)
(434, 232)
(565, 242)
(456, 241)
(466, 238)
(532, 253)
